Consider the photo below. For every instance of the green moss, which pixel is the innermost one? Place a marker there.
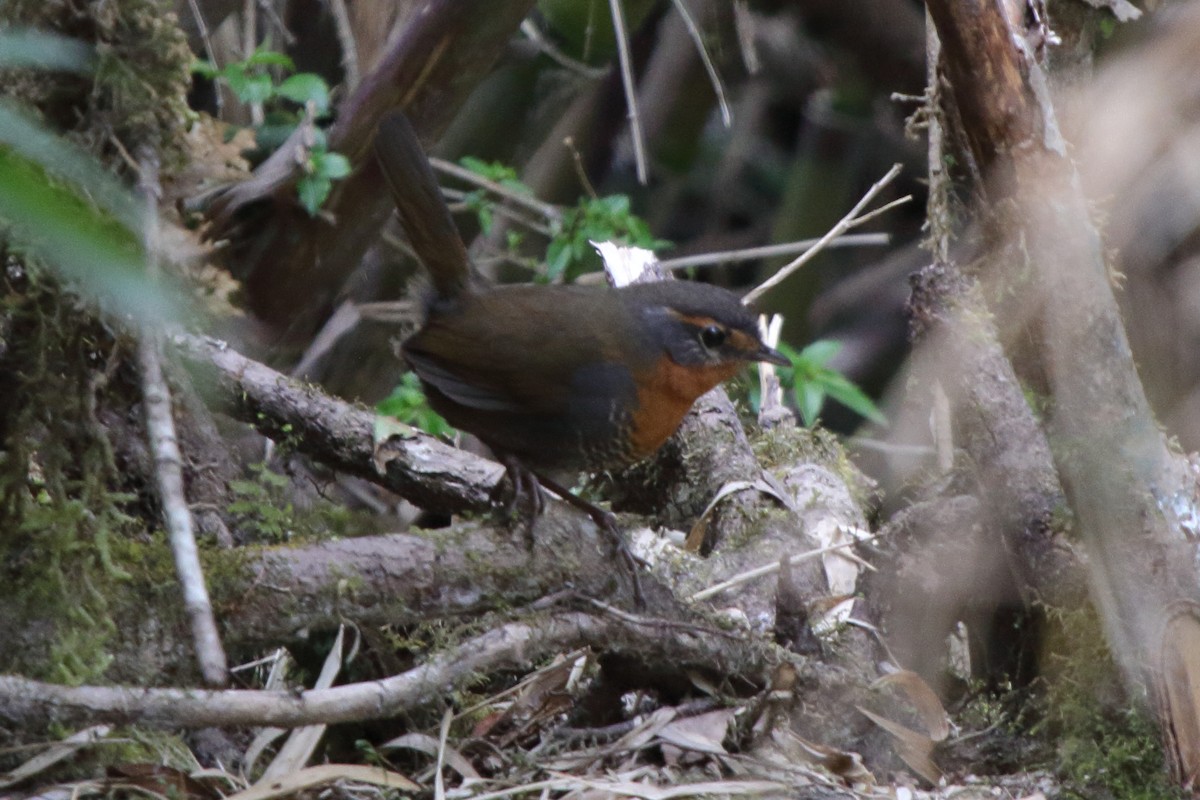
(1107, 745)
(264, 513)
(137, 93)
(791, 444)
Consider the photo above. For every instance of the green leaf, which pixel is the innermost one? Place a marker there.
(809, 398)
(313, 190)
(331, 165)
(613, 205)
(49, 208)
(63, 160)
(306, 88)
(820, 352)
(841, 389)
(476, 165)
(558, 256)
(496, 172)
(407, 403)
(248, 88)
(270, 58)
(205, 68)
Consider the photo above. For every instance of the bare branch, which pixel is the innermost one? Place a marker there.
(713, 77)
(635, 122)
(345, 35)
(516, 645)
(168, 461)
(844, 224)
(771, 250)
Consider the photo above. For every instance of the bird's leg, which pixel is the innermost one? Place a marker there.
(527, 501)
(607, 523)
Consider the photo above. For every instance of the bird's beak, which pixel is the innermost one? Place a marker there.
(772, 356)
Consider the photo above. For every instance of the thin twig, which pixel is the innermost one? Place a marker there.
(267, 7)
(771, 410)
(623, 57)
(713, 78)
(660, 622)
(844, 224)
(580, 172)
(768, 569)
(883, 209)
(771, 250)
(543, 209)
(937, 207)
(743, 22)
(456, 201)
(890, 448)
(345, 36)
(168, 461)
(531, 30)
(249, 41)
(439, 780)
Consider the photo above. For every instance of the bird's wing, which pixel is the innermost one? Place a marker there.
(486, 355)
(471, 393)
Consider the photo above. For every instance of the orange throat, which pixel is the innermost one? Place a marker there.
(665, 395)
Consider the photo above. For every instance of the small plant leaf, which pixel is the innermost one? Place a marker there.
(820, 352)
(332, 165)
(841, 389)
(407, 403)
(270, 58)
(306, 87)
(248, 88)
(205, 68)
(313, 190)
(810, 397)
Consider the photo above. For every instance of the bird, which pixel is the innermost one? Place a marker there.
(557, 379)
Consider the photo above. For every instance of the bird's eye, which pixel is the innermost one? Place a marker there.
(712, 336)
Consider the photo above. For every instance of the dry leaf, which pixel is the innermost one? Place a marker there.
(309, 777)
(703, 733)
(913, 747)
(55, 753)
(923, 699)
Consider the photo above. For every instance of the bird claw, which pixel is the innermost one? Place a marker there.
(607, 523)
(528, 500)
(525, 499)
(619, 547)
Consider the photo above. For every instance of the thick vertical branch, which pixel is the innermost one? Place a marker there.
(1112, 458)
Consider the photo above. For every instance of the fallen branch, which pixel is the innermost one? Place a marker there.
(410, 463)
(168, 461)
(516, 645)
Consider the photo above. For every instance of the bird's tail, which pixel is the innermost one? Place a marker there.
(423, 212)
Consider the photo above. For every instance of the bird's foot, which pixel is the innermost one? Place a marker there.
(619, 545)
(607, 523)
(521, 497)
